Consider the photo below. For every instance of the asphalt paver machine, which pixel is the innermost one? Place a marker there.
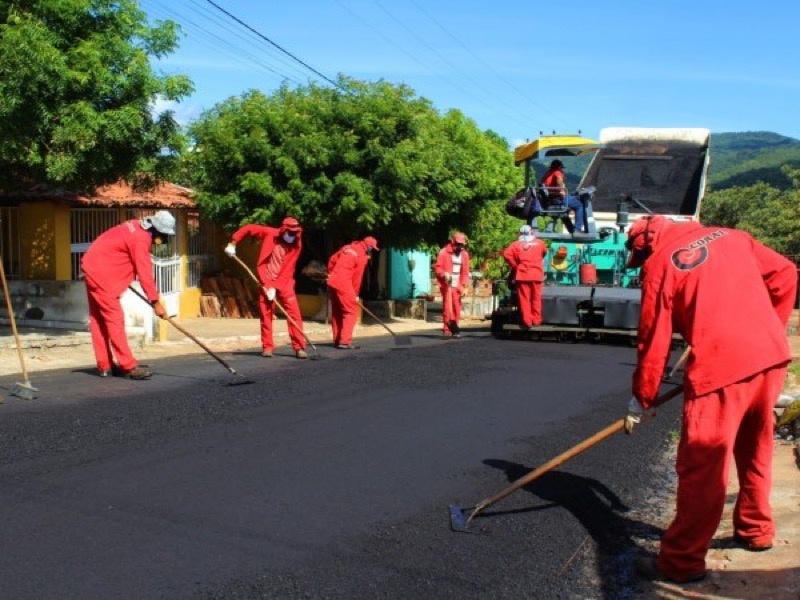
(589, 293)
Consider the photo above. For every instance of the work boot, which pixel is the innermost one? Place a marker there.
(347, 346)
(137, 373)
(104, 373)
(647, 567)
(266, 353)
(301, 354)
(752, 546)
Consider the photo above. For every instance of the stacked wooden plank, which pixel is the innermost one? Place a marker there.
(226, 296)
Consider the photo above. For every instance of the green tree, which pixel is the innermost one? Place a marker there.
(77, 91)
(771, 215)
(362, 157)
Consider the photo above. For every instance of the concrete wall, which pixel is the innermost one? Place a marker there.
(53, 304)
(63, 305)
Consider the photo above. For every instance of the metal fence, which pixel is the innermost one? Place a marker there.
(201, 248)
(10, 247)
(167, 273)
(85, 225)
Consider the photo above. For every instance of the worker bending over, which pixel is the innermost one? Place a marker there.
(730, 297)
(113, 261)
(345, 272)
(280, 249)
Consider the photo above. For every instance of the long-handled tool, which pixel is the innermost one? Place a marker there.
(22, 390)
(219, 359)
(399, 340)
(452, 325)
(460, 518)
(678, 364)
(279, 305)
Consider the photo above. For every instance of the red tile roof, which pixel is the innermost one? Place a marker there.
(165, 195)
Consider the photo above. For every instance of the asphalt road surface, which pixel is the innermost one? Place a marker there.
(331, 478)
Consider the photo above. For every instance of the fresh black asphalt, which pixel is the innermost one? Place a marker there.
(331, 478)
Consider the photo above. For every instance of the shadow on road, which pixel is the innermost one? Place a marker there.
(598, 509)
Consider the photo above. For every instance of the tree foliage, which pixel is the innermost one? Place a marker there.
(771, 215)
(359, 158)
(77, 91)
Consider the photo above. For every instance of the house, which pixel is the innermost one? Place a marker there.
(44, 234)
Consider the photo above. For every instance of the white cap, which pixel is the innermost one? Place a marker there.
(162, 221)
(525, 230)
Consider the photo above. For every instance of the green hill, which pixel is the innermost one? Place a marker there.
(742, 159)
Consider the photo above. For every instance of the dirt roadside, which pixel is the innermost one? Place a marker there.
(736, 573)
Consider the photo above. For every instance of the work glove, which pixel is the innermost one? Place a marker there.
(636, 414)
(270, 294)
(159, 309)
(230, 249)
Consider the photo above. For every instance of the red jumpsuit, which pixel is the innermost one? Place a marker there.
(113, 261)
(276, 266)
(451, 293)
(527, 261)
(345, 271)
(730, 297)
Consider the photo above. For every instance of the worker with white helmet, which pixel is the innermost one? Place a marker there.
(452, 273)
(525, 256)
(113, 261)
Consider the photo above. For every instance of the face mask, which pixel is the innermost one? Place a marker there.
(289, 238)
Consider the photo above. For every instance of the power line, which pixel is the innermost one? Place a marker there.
(240, 55)
(465, 91)
(246, 36)
(269, 41)
(513, 115)
(486, 64)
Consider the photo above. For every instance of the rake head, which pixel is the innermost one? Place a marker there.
(460, 518)
(24, 390)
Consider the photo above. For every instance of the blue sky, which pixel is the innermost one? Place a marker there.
(514, 67)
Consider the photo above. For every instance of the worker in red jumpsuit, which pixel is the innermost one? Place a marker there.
(525, 256)
(730, 297)
(113, 261)
(554, 183)
(452, 273)
(345, 272)
(280, 249)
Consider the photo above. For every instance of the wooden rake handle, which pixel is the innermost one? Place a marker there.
(275, 300)
(680, 362)
(188, 334)
(374, 316)
(559, 460)
(13, 321)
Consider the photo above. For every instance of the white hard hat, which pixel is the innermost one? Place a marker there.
(162, 221)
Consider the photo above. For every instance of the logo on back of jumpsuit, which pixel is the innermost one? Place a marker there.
(696, 253)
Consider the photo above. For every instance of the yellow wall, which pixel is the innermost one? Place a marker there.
(189, 303)
(309, 305)
(45, 239)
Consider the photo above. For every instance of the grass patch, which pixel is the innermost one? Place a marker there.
(794, 368)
